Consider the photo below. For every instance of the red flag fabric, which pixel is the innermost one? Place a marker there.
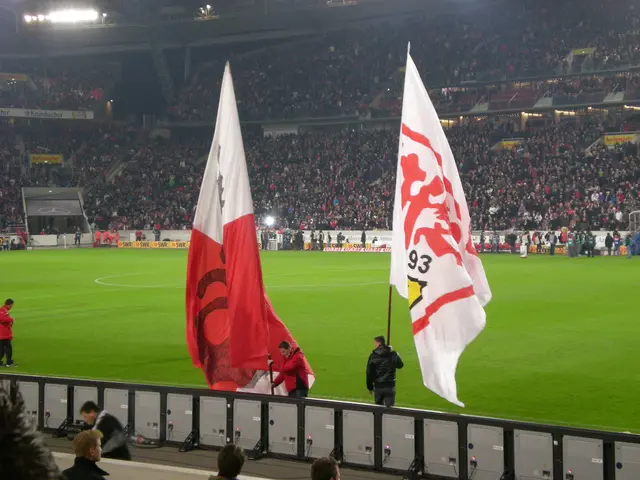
(231, 326)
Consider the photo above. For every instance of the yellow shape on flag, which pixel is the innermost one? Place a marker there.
(415, 291)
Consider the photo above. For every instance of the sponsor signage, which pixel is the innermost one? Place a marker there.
(13, 77)
(46, 114)
(619, 138)
(583, 51)
(153, 244)
(509, 143)
(41, 158)
(354, 248)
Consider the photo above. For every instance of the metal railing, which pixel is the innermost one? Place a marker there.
(415, 443)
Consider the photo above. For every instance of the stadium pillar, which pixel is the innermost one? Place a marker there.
(187, 63)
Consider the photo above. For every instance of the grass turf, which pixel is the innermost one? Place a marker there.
(561, 343)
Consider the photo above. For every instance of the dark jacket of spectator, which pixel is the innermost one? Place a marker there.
(381, 367)
(84, 469)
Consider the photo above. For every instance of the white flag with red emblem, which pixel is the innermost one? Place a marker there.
(434, 264)
(231, 325)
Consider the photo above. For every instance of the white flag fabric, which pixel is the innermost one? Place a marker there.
(434, 264)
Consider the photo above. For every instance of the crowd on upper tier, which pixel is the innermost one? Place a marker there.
(358, 72)
(74, 84)
(350, 72)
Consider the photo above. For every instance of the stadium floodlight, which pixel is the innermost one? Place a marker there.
(28, 18)
(73, 16)
(41, 18)
(208, 7)
(269, 221)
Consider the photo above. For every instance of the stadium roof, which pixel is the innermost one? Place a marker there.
(136, 24)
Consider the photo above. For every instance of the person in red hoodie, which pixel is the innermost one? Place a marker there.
(293, 372)
(6, 333)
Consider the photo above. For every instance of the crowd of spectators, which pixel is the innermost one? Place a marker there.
(158, 184)
(76, 85)
(344, 179)
(549, 181)
(11, 211)
(337, 179)
(342, 73)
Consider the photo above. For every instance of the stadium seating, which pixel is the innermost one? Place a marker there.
(11, 211)
(341, 179)
(344, 178)
(344, 72)
(65, 85)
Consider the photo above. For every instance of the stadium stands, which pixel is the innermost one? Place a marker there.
(63, 84)
(343, 72)
(342, 177)
(11, 211)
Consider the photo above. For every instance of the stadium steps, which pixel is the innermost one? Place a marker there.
(614, 97)
(162, 69)
(202, 460)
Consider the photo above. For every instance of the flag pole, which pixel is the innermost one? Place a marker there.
(271, 374)
(389, 316)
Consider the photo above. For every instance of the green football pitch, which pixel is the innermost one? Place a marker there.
(562, 342)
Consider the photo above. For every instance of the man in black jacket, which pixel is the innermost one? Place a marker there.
(114, 442)
(608, 242)
(381, 373)
(86, 446)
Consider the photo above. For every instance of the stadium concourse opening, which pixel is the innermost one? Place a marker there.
(54, 210)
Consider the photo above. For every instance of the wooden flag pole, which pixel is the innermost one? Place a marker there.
(389, 316)
(271, 374)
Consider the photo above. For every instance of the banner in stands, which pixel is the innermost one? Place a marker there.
(509, 143)
(13, 77)
(153, 244)
(619, 139)
(41, 158)
(46, 114)
(355, 248)
(583, 51)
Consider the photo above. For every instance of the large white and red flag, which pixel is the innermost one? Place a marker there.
(231, 325)
(434, 264)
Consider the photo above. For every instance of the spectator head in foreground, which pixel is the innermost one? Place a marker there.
(87, 447)
(88, 444)
(22, 451)
(325, 468)
(230, 462)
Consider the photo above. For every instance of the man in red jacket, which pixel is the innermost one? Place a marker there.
(293, 372)
(6, 333)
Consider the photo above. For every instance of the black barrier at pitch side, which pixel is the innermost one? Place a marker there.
(416, 443)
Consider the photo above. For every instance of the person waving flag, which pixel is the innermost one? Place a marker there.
(232, 329)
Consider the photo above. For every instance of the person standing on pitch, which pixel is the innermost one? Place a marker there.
(381, 372)
(608, 243)
(114, 442)
(6, 334)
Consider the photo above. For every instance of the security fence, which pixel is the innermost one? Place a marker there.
(414, 443)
